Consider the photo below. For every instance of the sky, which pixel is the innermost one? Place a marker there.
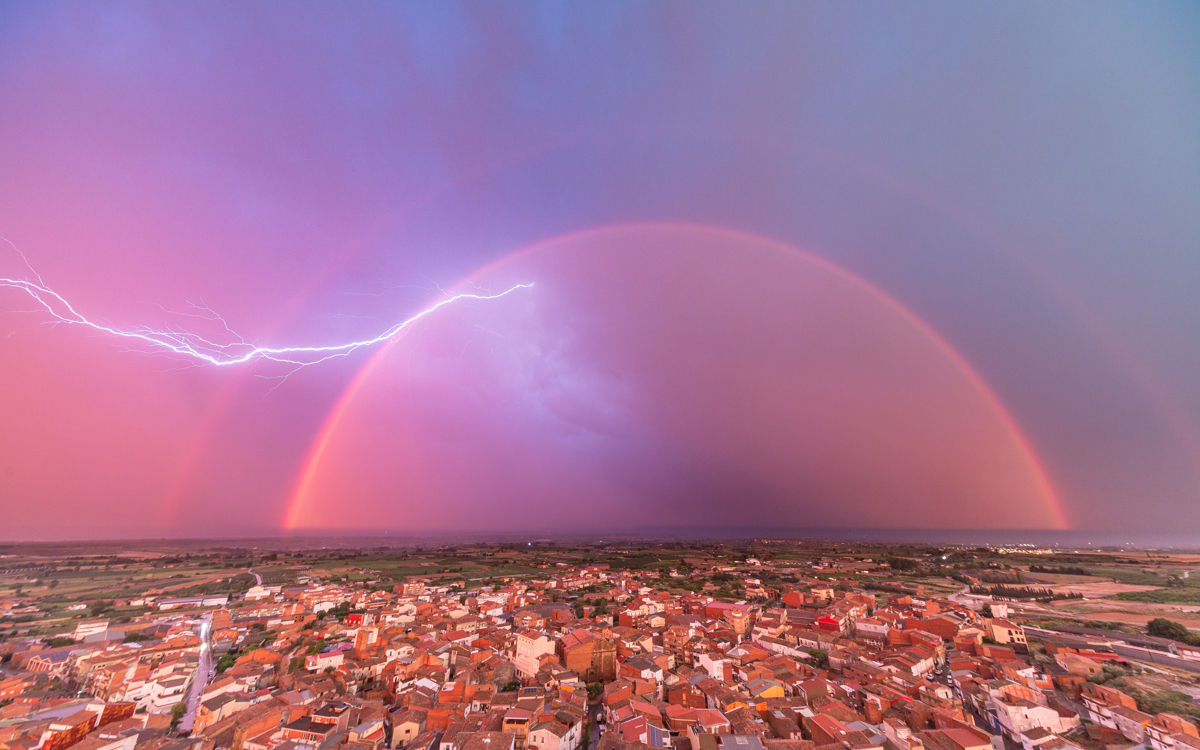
(793, 266)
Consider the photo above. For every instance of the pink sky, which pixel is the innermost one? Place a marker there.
(988, 321)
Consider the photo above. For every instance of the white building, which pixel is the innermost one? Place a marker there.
(531, 645)
(89, 627)
(1018, 716)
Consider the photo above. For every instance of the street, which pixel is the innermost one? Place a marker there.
(201, 678)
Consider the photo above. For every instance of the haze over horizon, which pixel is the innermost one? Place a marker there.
(823, 266)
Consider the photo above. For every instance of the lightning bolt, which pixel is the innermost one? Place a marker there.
(237, 350)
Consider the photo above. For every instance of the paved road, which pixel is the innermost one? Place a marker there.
(594, 730)
(200, 680)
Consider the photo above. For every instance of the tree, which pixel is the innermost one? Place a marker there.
(1161, 627)
(225, 662)
(511, 686)
(901, 563)
(177, 712)
(987, 611)
(1109, 673)
(820, 657)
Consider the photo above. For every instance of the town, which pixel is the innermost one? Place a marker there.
(756, 645)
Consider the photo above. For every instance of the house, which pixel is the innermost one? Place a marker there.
(710, 721)
(957, 738)
(531, 646)
(406, 726)
(1100, 700)
(761, 689)
(1131, 723)
(644, 669)
(871, 629)
(367, 735)
(1004, 632)
(11, 687)
(327, 659)
(551, 735)
(1077, 665)
(69, 730)
(728, 742)
(1017, 716)
(320, 725)
(218, 707)
(1172, 732)
(517, 721)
